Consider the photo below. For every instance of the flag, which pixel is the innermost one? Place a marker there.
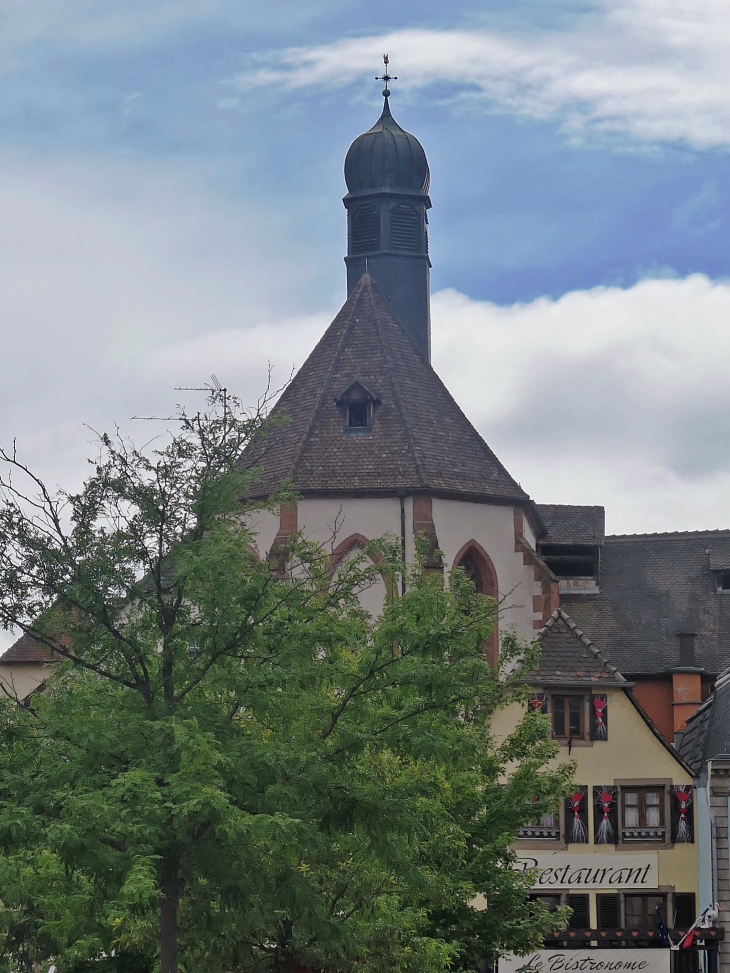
(663, 931)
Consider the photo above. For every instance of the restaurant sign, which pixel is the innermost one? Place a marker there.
(561, 871)
(587, 961)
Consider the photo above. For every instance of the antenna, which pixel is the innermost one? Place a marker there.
(215, 387)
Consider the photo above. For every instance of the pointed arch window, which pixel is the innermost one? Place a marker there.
(477, 566)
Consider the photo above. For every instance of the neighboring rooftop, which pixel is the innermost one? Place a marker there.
(569, 656)
(420, 438)
(572, 524)
(26, 649)
(652, 587)
(707, 734)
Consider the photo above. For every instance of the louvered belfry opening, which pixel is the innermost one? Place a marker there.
(404, 228)
(365, 229)
(387, 178)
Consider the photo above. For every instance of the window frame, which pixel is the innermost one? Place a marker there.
(645, 842)
(583, 738)
(529, 841)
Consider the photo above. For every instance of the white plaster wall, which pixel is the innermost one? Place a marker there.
(491, 526)
(264, 525)
(372, 597)
(528, 532)
(318, 518)
(456, 522)
(19, 679)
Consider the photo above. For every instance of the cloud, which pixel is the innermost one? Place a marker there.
(650, 70)
(609, 395)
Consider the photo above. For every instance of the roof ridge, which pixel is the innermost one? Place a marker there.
(673, 533)
(392, 373)
(356, 294)
(565, 617)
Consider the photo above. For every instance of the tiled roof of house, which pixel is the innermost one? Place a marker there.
(26, 649)
(707, 733)
(420, 437)
(652, 587)
(572, 524)
(568, 656)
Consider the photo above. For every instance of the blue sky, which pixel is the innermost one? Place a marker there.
(170, 206)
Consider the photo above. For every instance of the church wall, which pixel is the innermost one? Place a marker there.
(264, 524)
(330, 521)
(491, 526)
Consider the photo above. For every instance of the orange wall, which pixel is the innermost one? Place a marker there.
(655, 695)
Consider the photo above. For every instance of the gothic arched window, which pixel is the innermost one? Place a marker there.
(477, 566)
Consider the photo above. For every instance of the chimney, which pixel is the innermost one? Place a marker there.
(687, 649)
(686, 682)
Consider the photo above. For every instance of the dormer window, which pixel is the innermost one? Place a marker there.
(357, 403)
(723, 580)
(358, 415)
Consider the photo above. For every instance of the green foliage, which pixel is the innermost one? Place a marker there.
(297, 781)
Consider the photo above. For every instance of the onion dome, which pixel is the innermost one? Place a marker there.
(386, 155)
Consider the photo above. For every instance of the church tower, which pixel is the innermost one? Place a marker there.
(387, 227)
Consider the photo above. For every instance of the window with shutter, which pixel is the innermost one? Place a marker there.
(609, 913)
(581, 917)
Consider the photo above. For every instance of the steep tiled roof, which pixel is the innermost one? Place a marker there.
(568, 656)
(707, 734)
(26, 649)
(420, 437)
(653, 586)
(571, 524)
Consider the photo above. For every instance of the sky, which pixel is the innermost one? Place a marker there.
(170, 207)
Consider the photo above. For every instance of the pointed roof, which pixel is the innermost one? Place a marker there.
(569, 657)
(420, 438)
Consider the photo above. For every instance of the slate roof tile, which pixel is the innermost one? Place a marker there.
(568, 656)
(653, 586)
(420, 437)
(572, 524)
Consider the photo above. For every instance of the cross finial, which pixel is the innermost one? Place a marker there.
(386, 77)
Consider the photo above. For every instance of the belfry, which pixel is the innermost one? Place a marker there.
(387, 227)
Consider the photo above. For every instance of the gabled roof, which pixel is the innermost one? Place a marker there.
(568, 657)
(572, 524)
(27, 649)
(420, 438)
(653, 586)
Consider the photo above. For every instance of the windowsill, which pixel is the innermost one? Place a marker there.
(643, 845)
(629, 835)
(539, 834)
(577, 741)
(538, 844)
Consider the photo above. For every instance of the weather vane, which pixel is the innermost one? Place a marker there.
(386, 77)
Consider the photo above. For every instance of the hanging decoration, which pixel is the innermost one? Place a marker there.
(578, 830)
(599, 718)
(538, 702)
(605, 800)
(682, 831)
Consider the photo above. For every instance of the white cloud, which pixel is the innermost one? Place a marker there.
(613, 396)
(652, 70)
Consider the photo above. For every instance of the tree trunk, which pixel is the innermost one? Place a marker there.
(168, 925)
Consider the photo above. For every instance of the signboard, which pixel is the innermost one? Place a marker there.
(588, 961)
(583, 872)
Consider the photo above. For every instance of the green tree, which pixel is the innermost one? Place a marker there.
(234, 767)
